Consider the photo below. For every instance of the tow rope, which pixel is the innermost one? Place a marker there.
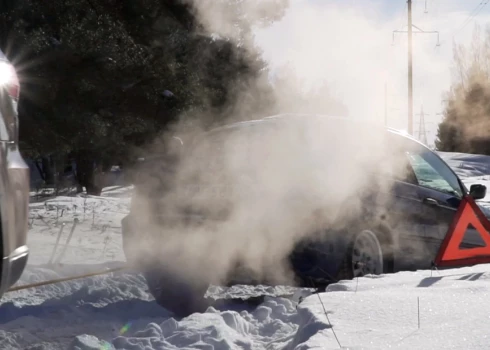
(58, 280)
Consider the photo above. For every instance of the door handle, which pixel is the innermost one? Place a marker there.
(430, 201)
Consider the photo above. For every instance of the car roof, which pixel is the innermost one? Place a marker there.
(354, 123)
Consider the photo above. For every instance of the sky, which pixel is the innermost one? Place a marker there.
(350, 46)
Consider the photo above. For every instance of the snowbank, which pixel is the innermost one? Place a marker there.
(116, 312)
(382, 312)
(271, 326)
(53, 317)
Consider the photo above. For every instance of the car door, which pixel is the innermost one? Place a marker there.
(410, 228)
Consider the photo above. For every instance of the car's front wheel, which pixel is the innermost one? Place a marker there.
(369, 253)
(366, 255)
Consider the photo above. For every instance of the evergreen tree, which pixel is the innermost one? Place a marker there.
(101, 79)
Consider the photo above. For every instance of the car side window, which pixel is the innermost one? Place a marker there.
(401, 169)
(433, 173)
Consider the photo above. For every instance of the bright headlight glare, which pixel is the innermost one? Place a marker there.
(6, 73)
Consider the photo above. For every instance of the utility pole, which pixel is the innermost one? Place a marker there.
(410, 70)
(410, 32)
(422, 133)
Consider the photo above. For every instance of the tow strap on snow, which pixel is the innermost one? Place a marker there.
(58, 280)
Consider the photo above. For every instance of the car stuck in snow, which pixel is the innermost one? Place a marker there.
(14, 182)
(296, 199)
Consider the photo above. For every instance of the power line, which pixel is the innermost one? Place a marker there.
(472, 15)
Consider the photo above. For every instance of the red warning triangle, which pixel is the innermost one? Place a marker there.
(450, 253)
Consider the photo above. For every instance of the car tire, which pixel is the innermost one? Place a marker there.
(370, 252)
(176, 294)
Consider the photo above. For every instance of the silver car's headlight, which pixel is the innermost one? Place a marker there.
(9, 79)
(9, 83)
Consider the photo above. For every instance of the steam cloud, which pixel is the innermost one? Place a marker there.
(267, 188)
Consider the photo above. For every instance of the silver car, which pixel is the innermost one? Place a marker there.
(14, 182)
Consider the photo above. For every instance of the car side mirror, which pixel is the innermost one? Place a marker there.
(478, 191)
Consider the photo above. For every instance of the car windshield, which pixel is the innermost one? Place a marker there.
(433, 173)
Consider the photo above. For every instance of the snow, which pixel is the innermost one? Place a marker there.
(99, 226)
(115, 311)
(382, 312)
(268, 326)
(471, 168)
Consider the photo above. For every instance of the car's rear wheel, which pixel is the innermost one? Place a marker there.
(370, 252)
(171, 290)
(175, 293)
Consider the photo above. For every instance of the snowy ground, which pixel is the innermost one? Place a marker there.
(99, 226)
(382, 312)
(116, 312)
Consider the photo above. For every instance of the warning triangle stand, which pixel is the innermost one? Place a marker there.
(450, 253)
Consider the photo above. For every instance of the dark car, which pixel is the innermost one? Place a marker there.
(14, 182)
(337, 198)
